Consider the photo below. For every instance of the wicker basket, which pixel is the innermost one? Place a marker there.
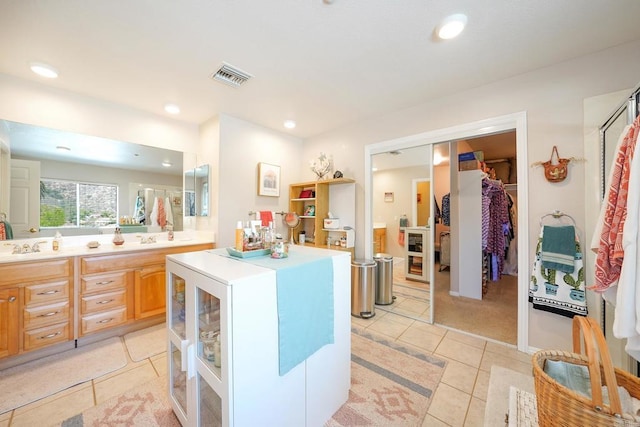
(560, 406)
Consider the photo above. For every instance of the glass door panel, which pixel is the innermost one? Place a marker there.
(210, 405)
(177, 307)
(209, 339)
(178, 378)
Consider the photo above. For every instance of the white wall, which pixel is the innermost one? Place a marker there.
(553, 100)
(242, 145)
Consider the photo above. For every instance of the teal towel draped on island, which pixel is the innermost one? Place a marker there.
(558, 248)
(304, 283)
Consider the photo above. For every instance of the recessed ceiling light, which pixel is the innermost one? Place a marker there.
(166, 164)
(289, 124)
(452, 26)
(62, 148)
(172, 109)
(44, 70)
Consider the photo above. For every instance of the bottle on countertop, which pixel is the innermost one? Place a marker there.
(170, 233)
(118, 239)
(57, 239)
(239, 236)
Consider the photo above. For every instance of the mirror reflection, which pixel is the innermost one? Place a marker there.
(196, 191)
(80, 184)
(422, 239)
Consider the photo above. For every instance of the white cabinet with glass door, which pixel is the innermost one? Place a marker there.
(223, 347)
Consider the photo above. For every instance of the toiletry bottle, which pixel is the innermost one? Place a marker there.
(170, 233)
(239, 236)
(56, 241)
(118, 240)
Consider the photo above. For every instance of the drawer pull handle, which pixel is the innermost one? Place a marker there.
(107, 301)
(53, 313)
(106, 320)
(45, 337)
(48, 292)
(12, 299)
(106, 282)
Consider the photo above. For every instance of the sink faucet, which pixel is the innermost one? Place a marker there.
(36, 246)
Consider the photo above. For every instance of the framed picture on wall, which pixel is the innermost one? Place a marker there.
(388, 196)
(268, 180)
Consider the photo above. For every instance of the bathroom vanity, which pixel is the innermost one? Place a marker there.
(52, 301)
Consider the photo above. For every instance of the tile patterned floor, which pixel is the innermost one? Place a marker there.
(459, 399)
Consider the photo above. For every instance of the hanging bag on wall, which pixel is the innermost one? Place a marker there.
(555, 171)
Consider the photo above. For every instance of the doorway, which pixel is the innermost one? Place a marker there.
(515, 122)
(483, 300)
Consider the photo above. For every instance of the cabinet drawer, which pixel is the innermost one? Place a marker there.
(48, 335)
(102, 282)
(96, 322)
(104, 301)
(33, 271)
(46, 292)
(46, 314)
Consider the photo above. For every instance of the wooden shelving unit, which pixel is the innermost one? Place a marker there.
(331, 195)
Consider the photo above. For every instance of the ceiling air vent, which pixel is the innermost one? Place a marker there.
(230, 75)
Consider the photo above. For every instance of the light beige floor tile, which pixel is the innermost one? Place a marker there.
(467, 339)
(489, 359)
(460, 376)
(411, 305)
(430, 421)
(55, 411)
(394, 317)
(449, 405)
(5, 418)
(388, 327)
(118, 384)
(475, 414)
(419, 336)
(459, 351)
(482, 385)
(159, 363)
(360, 321)
(509, 351)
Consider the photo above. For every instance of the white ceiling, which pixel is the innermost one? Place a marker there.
(323, 65)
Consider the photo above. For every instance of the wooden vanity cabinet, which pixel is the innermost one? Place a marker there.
(122, 288)
(9, 314)
(36, 305)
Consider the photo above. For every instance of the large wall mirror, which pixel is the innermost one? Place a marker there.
(81, 184)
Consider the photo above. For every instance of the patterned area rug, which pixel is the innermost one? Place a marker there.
(146, 405)
(391, 385)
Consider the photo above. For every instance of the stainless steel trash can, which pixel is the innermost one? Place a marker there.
(363, 284)
(384, 279)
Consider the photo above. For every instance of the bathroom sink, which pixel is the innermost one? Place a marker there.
(379, 225)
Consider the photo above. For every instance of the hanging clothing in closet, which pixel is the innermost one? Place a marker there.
(446, 209)
(616, 241)
(496, 226)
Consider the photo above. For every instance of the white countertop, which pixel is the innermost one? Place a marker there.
(77, 245)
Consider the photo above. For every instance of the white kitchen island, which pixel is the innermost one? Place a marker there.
(283, 327)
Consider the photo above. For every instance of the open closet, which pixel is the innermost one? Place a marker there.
(478, 207)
